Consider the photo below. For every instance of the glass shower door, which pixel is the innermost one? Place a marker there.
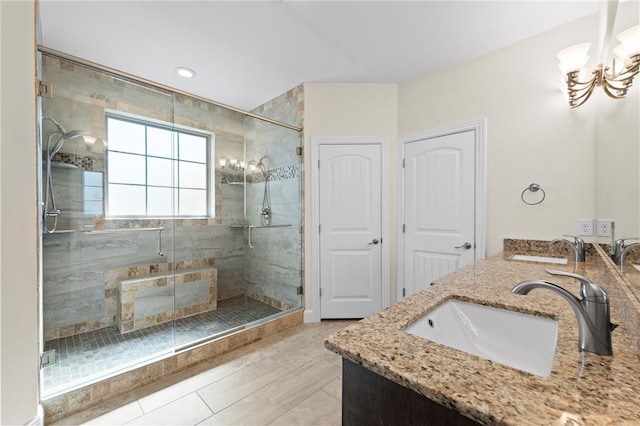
(273, 218)
(107, 257)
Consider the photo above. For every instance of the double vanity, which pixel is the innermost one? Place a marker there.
(395, 372)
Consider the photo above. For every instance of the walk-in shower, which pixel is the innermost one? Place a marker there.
(145, 236)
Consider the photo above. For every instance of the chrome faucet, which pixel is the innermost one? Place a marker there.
(577, 245)
(619, 250)
(592, 311)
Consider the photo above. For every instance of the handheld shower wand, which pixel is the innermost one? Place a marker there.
(50, 210)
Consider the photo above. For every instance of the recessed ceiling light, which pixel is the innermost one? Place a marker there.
(185, 72)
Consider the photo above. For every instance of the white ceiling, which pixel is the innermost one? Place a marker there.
(248, 52)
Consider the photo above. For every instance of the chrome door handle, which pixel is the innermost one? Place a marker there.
(375, 241)
(250, 228)
(465, 246)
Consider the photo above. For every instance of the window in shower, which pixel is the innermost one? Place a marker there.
(156, 170)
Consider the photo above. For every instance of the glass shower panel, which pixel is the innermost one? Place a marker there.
(108, 298)
(210, 198)
(273, 218)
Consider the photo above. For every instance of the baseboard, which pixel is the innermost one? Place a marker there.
(311, 316)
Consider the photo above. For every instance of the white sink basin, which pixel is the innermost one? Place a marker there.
(521, 341)
(542, 259)
(636, 266)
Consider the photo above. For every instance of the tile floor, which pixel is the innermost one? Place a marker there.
(285, 379)
(98, 352)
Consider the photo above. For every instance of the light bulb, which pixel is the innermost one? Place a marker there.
(573, 58)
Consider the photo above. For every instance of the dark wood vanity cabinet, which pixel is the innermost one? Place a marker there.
(369, 399)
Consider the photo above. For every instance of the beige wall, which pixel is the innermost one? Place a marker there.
(342, 109)
(18, 219)
(532, 136)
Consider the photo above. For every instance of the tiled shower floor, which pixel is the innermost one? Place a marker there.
(97, 352)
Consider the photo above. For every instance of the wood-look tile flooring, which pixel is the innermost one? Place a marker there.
(285, 379)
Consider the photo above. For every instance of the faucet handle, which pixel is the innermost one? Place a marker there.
(620, 241)
(588, 289)
(575, 238)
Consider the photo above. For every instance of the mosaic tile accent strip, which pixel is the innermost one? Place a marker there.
(82, 162)
(281, 173)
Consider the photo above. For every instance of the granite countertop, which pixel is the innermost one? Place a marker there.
(583, 387)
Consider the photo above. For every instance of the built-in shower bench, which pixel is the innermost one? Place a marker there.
(146, 293)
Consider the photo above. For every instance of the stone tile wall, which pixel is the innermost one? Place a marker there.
(148, 296)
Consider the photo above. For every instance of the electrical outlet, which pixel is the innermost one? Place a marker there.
(585, 227)
(604, 227)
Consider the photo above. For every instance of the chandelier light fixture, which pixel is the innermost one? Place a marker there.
(615, 78)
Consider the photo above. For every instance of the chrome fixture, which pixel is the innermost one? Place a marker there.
(533, 187)
(265, 213)
(619, 250)
(615, 79)
(592, 311)
(49, 208)
(577, 245)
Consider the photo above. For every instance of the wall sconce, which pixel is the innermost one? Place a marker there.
(222, 161)
(615, 79)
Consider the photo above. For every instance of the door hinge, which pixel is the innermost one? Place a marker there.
(299, 150)
(320, 292)
(45, 89)
(299, 290)
(403, 228)
(318, 163)
(318, 229)
(404, 291)
(403, 163)
(47, 358)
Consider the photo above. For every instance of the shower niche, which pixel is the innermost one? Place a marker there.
(152, 239)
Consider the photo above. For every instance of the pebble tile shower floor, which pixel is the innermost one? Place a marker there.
(96, 352)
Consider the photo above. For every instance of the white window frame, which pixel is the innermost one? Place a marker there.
(150, 122)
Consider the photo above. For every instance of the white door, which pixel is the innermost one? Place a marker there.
(439, 208)
(350, 230)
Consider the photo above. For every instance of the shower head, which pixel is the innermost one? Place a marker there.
(59, 127)
(64, 138)
(262, 166)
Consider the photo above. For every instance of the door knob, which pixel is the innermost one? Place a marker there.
(375, 241)
(465, 246)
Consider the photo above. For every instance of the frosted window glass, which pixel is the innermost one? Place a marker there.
(93, 193)
(193, 202)
(93, 178)
(159, 172)
(126, 168)
(92, 207)
(159, 201)
(152, 168)
(126, 200)
(125, 136)
(193, 148)
(159, 142)
(193, 175)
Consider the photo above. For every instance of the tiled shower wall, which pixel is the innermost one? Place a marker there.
(274, 265)
(76, 287)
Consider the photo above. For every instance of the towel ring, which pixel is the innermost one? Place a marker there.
(534, 187)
